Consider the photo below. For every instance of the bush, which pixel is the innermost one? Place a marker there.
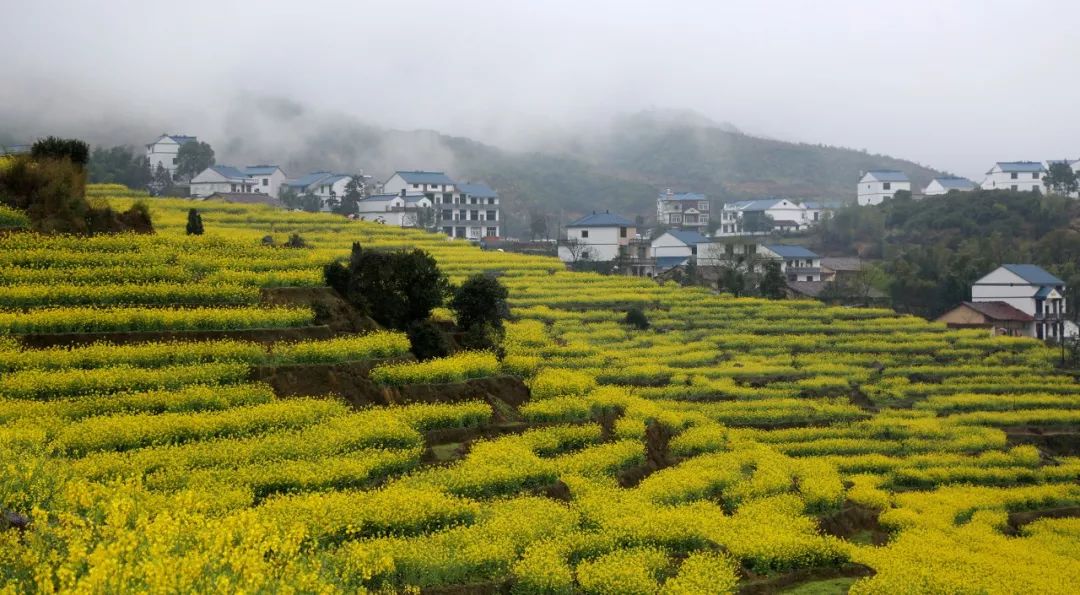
(481, 300)
(427, 341)
(636, 318)
(395, 288)
(75, 150)
(295, 241)
(194, 223)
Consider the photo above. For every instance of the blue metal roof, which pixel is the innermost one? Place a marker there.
(756, 205)
(229, 172)
(888, 175)
(955, 183)
(664, 263)
(477, 189)
(181, 139)
(690, 238)
(425, 177)
(1020, 166)
(602, 220)
(308, 180)
(695, 196)
(260, 170)
(785, 251)
(1034, 274)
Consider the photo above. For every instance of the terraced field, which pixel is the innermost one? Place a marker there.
(155, 434)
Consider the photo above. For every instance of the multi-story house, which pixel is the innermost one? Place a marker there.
(750, 216)
(462, 210)
(164, 150)
(878, 185)
(328, 186)
(393, 209)
(1031, 290)
(675, 248)
(796, 262)
(682, 210)
(947, 184)
(261, 179)
(1024, 176)
(597, 237)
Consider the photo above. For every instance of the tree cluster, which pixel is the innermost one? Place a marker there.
(119, 165)
(400, 288)
(194, 223)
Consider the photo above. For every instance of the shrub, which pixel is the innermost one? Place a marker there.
(396, 288)
(636, 318)
(61, 148)
(194, 223)
(295, 241)
(427, 340)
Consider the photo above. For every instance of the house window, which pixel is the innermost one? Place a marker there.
(1034, 176)
(622, 232)
(447, 198)
(887, 185)
(584, 233)
(491, 201)
(492, 231)
(448, 231)
(729, 249)
(266, 182)
(676, 218)
(751, 248)
(1015, 187)
(474, 215)
(703, 218)
(491, 216)
(447, 214)
(459, 232)
(809, 278)
(416, 185)
(1013, 175)
(703, 206)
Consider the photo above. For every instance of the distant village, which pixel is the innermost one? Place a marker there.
(690, 235)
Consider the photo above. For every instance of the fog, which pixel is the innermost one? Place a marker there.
(953, 85)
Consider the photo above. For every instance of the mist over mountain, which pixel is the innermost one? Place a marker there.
(619, 164)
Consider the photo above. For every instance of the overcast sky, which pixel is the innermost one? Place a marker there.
(953, 85)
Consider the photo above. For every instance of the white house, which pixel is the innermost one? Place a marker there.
(796, 262)
(1025, 176)
(328, 186)
(675, 248)
(475, 213)
(268, 178)
(686, 210)
(880, 184)
(261, 179)
(392, 209)
(163, 151)
(1030, 289)
(946, 184)
(785, 214)
(430, 183)
(596, 237)
(718, 251)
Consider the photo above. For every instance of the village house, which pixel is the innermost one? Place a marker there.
(164, 150)
(328, 186)
(796, 262)
(1023, 176)
(683, 210)
(878, 185)
(750, 216)
(462, 210)
(675, 248)
(597, 237)
(262, 179)
(946, 184)
(392, 209)
(1025, 300)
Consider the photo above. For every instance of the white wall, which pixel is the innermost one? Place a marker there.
(669, 245)
(1024, 182)
(163, 152)
(874, 193)
(273, 185)
(602, 243)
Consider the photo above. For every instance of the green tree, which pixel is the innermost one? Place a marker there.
(636, 318)
(194, 223)
(162, 181)
(480, 300)
(355, 191)
(305, 202)
(757, 221)
(119, 165)
(53, 147)
(1061, 178)
(538, 225)
(192, 158)
(773, 285)
(395, 288)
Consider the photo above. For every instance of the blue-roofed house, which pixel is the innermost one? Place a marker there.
(163, 151)
(945, 184)
(419, 182)
(878, 185)
(1023, 176)
(747, 217)
(1030, 289)
(330, 187)
(258, 179)
(796, 262)
(598, 237)
(683, 210)
(681, 243)
(392, 209)
(472, 212)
